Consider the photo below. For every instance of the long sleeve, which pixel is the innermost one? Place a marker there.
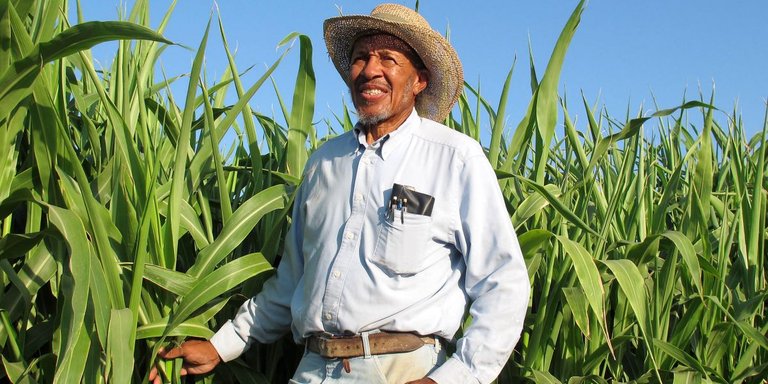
(496, 280)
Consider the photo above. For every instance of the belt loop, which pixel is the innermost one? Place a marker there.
(366, 344)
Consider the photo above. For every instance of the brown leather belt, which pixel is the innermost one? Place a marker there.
(379, 343)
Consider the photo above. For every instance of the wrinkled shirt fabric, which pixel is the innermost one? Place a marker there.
(350, 266)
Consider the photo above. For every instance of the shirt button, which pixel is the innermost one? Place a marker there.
(358, 196)
(336, 274)
(328, 316)
(349, 236)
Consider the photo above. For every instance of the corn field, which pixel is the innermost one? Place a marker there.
(127, 224)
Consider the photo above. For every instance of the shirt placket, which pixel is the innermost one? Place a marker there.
(350, 241)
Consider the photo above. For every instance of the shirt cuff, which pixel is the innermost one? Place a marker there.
(453, 371)
(228, 343)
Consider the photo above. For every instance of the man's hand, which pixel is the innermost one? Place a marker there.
(199, 357)
(425, 380)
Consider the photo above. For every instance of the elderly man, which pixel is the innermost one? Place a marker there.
(398, 227)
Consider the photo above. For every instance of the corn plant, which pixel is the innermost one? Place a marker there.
(123, 222)
(646, 254)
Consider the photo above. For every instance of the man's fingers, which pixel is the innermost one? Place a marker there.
(156, 380)
(154, 376)
(171, 353)
(168, 354)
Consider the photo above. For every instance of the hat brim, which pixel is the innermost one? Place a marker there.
(446, 77)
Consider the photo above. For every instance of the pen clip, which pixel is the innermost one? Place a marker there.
(391, 210)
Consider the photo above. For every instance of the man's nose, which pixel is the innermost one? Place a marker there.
(372, 67)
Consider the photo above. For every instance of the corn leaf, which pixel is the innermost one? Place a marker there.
(579, 307)
(217, 283)
(16, 245)
(588, 277)
(302, 110)
(119, 352)
(498, 124)
(178, 283)
(77, 38)
(546, 93)
(684, 245)
(243, 220)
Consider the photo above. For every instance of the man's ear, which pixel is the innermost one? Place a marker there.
(421, 82)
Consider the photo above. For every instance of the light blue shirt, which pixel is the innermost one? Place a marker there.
(349, 266)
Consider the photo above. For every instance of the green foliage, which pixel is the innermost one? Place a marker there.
(643, 253)
(126, 224)
(122, 222)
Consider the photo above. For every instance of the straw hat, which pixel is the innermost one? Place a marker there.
(446, 77)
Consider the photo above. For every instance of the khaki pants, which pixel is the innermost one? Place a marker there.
(394, 368)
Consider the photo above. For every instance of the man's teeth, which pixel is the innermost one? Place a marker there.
(372, 92)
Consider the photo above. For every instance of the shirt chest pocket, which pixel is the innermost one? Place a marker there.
(402, 244)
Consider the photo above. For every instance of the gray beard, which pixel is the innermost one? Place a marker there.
(372, 120)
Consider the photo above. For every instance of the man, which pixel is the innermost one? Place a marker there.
(398, 226)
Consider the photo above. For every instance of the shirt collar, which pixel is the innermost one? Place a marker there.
(391, 141)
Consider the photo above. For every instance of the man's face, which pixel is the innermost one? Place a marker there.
(383, 79)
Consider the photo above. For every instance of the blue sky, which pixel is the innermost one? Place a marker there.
(623, 55)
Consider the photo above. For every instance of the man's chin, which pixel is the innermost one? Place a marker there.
(371, 119)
